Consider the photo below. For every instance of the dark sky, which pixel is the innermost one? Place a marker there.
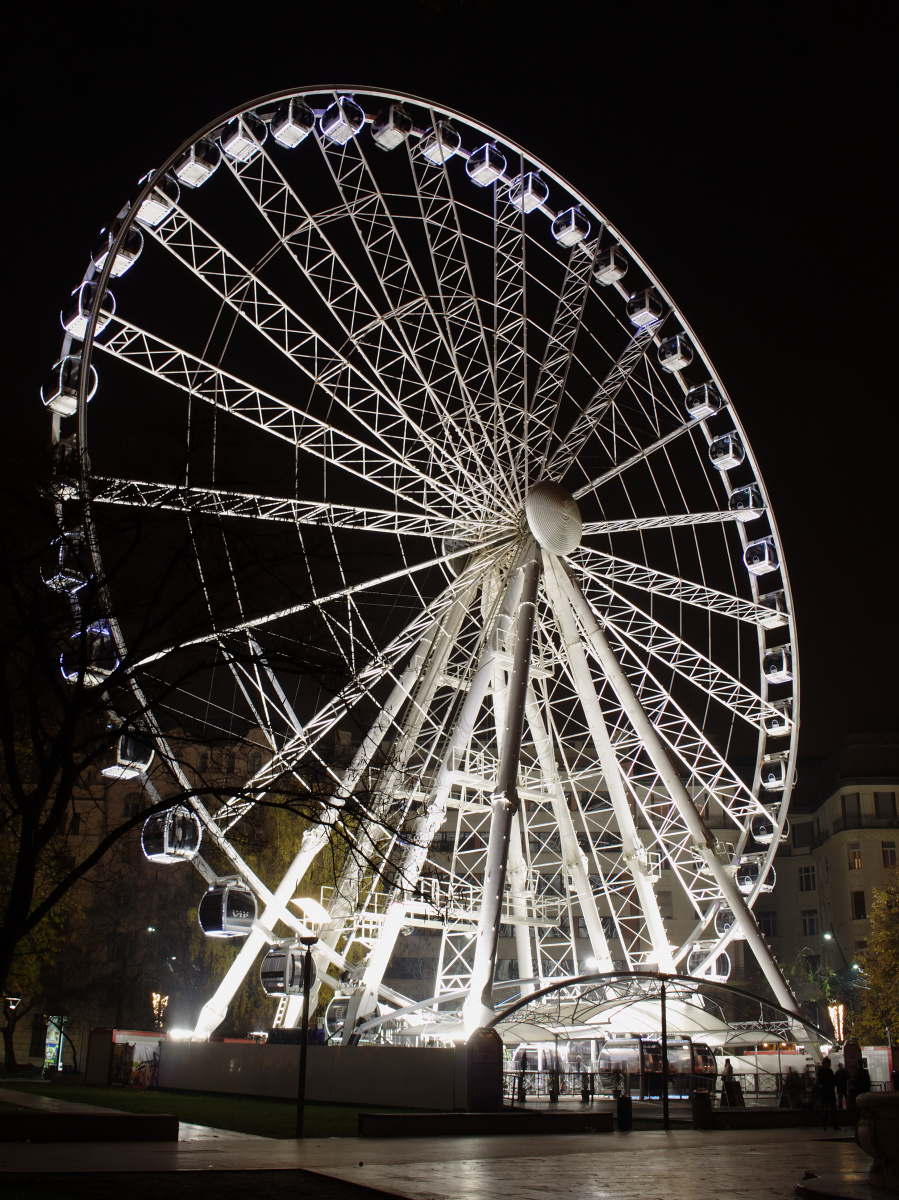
(743, 150)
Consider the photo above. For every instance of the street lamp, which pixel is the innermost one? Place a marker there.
(315, 915)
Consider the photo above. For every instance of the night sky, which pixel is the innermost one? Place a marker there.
(747, 158)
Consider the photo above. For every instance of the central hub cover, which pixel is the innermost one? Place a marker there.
(553, 517)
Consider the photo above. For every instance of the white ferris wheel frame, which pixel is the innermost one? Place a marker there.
(584, 604)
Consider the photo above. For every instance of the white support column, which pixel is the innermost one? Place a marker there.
(703, 841)
(632, 848)
(478, 1008)
(518, 889)
(572, 855)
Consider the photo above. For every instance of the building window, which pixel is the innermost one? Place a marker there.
(254, 762)
(609, 928)
(855, 856)
(888, 850)
(767, 920)
(807, 879)
(75, 823)
(229, 764)
(666, 905)
(202, 762)
(132, 805)
(859, 912)
(809, 922)
(885, 804)
(826, 870)
(581, 927)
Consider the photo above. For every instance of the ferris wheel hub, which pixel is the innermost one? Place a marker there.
(553, 517)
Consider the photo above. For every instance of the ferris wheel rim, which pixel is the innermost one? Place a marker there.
(571, 192)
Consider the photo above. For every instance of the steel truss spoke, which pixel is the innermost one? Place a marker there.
(603, 398)
(675, 521)
(633, 460)
(306, 241)
(607, 569)
(376, 464)
(220, 503)
(359, 393)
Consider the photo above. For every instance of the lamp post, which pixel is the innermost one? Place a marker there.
(315, 915)
(308, 942)
(665, 1120)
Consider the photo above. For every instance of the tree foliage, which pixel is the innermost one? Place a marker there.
(879, 1010)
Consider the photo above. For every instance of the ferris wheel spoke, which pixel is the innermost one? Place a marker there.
(672, 521)
(387, 357)
(180, 369)
(607, 569)
(220, 503)
(650, 636)
(460, 311)
(360, 394)
(632, 460)
(602, 400)
(559, 350)
(317, 602)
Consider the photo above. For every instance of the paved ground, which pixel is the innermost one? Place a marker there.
(650, 1165)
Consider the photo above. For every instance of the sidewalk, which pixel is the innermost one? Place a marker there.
(682, 1164)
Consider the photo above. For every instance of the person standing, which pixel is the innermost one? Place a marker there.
(727, 1084)
(793, 1089)
(841, 1079)
(827, 1092)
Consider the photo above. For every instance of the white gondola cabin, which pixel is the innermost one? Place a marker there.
(126, 255)
(763, 828)
(172, 836)
(281, 973)
(441, 144)
(159, 202)
(644, 309)
(293, 123)
(60, 392)
(199, 163)
(748, 874)
(675, 353)
(134, 755)
(75, 318)
(760, 558)
(775, 609)
(610, 266)
(570, 227)
(726, 452)
(242, 137)
(528, 192)
(336, 1015)
(342, 120)
(746, 503)
(777, 665)
(227, 910)
(391, 127)
(726, 922)
(778, 719)
(485, 165)
(703, 401)
(93, 652)
(774, 772)
(699, 965)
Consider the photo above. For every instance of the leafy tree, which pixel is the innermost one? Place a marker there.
(879, 1010)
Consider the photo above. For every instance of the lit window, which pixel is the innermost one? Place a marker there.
(855, 856)
(809, 922)
(859, 911)
(888, 850)
(807, 879)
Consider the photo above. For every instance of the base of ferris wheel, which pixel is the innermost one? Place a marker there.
(640, 1004)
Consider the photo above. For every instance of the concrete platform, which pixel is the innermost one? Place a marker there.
(681, 1164)
(521, 1122)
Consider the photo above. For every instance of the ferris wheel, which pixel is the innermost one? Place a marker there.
(396, 382)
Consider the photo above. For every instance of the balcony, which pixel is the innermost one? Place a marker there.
(864, 821)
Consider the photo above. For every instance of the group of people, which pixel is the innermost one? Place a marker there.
(836, 1089)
